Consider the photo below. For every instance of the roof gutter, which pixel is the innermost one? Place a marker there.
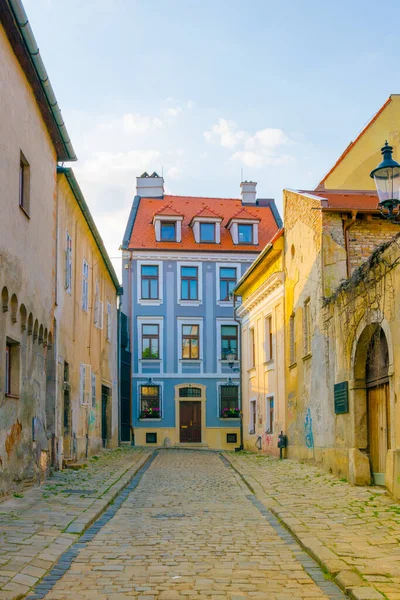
(69, 174)
(32, 47)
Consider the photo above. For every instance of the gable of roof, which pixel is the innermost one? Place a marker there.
(206, 213)
(20, 36)
(243, 214)
(142, 234)
(167, 211)
(76, 190)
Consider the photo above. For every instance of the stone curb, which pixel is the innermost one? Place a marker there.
(346, 578)
(80, 524)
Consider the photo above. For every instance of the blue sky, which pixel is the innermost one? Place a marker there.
(202, 89)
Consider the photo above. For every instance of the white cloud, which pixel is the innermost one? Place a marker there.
(266, 138)
(225, 133)
(173, 111)
(174, 173)
(105, 166)
(258, 159)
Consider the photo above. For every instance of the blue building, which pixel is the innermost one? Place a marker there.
(182, 257)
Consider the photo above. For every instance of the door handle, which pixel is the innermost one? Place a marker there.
(191, 423)
(184, 426)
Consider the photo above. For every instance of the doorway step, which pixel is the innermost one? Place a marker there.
(197, 445)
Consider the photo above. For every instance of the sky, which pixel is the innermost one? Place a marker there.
(203, 91)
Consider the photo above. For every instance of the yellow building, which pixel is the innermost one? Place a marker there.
(87, 329)
(261, 313)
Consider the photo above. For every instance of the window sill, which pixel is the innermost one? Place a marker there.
(152, 420)
(148, 302)
(229, 418)
(190, 302)
(147, 360)
(25, 212)
(307, 356)
(192, 360)
(13, 396)
(292, 366)
(269, 364)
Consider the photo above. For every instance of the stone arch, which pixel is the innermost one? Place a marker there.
(50, 340)
(41, 334)
(14, 308)
(45, 337)
(35, 330)
(4, 299)
(30, 324)
(23, 316)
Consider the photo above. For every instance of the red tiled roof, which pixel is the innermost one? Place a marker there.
(206, 212)
(244, 214)
(354, 142)
(167, 211)
(143, 234)
(348, 200)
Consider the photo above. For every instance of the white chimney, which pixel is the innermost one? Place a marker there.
(150, 186)
(248, 192)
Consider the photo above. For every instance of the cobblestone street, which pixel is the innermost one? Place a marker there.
(190, 529)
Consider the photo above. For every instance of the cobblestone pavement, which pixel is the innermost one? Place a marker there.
(353, 531)
(38, 525)
(189, 529)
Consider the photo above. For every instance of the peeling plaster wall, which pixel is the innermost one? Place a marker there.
(27, 259)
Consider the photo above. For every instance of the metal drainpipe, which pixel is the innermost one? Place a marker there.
(346, 227)
(238, 321)
(119, 298)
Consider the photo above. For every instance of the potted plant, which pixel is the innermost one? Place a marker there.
(230, 413)
(150, 413)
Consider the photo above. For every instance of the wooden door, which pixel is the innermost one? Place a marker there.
(104, 410)
(378, 426)
(190, 422)
(67, 425)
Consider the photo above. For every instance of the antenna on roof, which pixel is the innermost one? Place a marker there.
(162, 171)
(241, 174)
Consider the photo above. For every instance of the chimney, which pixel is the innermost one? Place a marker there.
(150, 186)
(248, 192)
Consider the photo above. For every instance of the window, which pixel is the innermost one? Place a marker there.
(68, 264)
(229, 341)
(245, 234)
(24, 181)
(207, 232)
(189, 392)
(85, 384)
(168, 231)
(269, 353)
(253, 416)
(85, 286)
(151, 437)
(231, 438)
(150, 282)
(93, 390)
(227, 282)
(150, 341)
(98, 308)
(190, 342)
(109, 322)
(307, 327)
(150, 402)
(269, 426)
(189, 283)
(252, 349)
(12, 368)
(292, 342)
(229, 400)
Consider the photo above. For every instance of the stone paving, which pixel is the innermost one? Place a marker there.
(38, 525)
(354, 532)
(187, 528)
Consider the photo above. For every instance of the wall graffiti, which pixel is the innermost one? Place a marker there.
(308, 430)
(92, 419)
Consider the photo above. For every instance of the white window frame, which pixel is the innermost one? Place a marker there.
(234, 230)
(220, 322)
(189, 321)
(269, 427)
(158, 219)
(148, 361)
(85, 384)
(101, 315)
(141, 382)
(218, 278)
(68, 264)
(269, 350)
(235, 381)
(85, 286)
(149, 263)
(199, 266)
(196, 229)
(252, 425)
(109, 322)
(93, 390)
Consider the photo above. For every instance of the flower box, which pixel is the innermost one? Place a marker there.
(150, 413)
(230, 413)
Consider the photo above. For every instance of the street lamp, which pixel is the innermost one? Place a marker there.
(387, 181)
(231, 357)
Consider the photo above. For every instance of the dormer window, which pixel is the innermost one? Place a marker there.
(168, 231)
(207, 233)
(245, 234)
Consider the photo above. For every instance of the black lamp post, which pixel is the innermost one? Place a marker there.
(387, 181)
(231, 357)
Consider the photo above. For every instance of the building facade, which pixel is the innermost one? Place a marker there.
(32, 139)
(182, 257)
(261, 313)
(87, 329)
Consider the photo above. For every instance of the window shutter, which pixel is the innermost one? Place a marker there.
(100, 315)
(82, 384)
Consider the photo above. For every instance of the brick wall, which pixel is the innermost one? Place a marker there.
(365, 235)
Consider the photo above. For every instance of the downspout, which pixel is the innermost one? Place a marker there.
(239, 322)
(119, 367)
(346, 227)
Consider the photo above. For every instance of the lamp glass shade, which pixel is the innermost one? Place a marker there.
(231, 357)
(387, 181)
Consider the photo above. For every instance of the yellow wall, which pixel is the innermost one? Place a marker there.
(352, 172)
(79, 339)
